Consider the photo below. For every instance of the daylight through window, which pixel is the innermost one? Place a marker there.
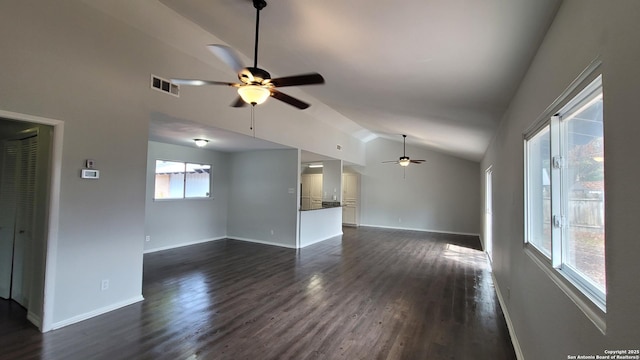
(179, 180)
(565, 192)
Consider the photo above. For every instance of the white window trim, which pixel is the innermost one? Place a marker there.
(185, 198)
(592, 305)
(590, 91)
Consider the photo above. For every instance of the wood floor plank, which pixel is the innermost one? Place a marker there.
(372, 294)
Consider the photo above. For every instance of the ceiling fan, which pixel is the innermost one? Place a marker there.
(404, 160)
(256, 85)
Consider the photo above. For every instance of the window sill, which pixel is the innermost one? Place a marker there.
(183, 199)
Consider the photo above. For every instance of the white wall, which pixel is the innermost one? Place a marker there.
(312, 129)
(439, 195)
(263, 198)
(69, 61)
(547, 324)
(319, 225)
(173, 223)
(57, 64)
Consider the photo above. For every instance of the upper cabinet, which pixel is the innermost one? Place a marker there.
(311, 192)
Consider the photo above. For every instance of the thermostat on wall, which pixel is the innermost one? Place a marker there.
(90, 174)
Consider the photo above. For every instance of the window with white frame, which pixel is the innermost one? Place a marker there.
(564, 191)
(179, 180)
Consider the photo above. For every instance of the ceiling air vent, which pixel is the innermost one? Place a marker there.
(165, 86)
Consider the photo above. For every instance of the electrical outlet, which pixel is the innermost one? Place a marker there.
(272, 231)
(399, 220)
(147, 238)
(104, 285)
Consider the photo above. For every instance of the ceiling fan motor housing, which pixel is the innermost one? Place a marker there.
(256, 85)
(259, 4)
(254, 75)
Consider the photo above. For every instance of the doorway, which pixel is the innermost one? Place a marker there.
(488, 213)
(24, 182)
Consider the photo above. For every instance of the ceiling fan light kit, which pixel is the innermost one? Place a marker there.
(200, 142)
(256, 85)
(253, 94)
(404, 160)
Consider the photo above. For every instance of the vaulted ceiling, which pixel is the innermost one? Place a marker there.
(441, 71)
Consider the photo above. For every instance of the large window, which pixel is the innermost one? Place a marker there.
(564, 191)
(178, 180)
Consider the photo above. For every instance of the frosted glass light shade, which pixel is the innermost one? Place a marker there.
(404, 161)
(200, 142)
(253, 94)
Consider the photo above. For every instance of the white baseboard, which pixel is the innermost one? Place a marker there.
(423, 230)
(321, 240)
(505, 311)
(262, 242)
(96, 312)
(182, 244)
(34, 319)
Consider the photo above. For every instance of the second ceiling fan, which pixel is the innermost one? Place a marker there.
(404, 160)
(256, 85)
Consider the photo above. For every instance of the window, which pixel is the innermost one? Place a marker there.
(539, 190)
(178, 180)
(564, 191)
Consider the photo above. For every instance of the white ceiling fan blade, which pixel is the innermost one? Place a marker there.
(227, 55)
(197, 82)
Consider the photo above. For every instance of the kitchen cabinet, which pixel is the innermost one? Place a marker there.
(311, 192)
(350, 199)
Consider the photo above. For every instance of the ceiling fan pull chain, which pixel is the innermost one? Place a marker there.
(252, 127)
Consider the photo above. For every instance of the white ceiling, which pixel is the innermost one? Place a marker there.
(441, 71)
(182, 132)
(166, 129)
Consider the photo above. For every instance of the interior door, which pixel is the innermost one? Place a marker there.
(25, 207)
(7, 214)
(17, 187)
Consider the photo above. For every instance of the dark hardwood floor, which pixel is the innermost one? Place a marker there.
(374, 294)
